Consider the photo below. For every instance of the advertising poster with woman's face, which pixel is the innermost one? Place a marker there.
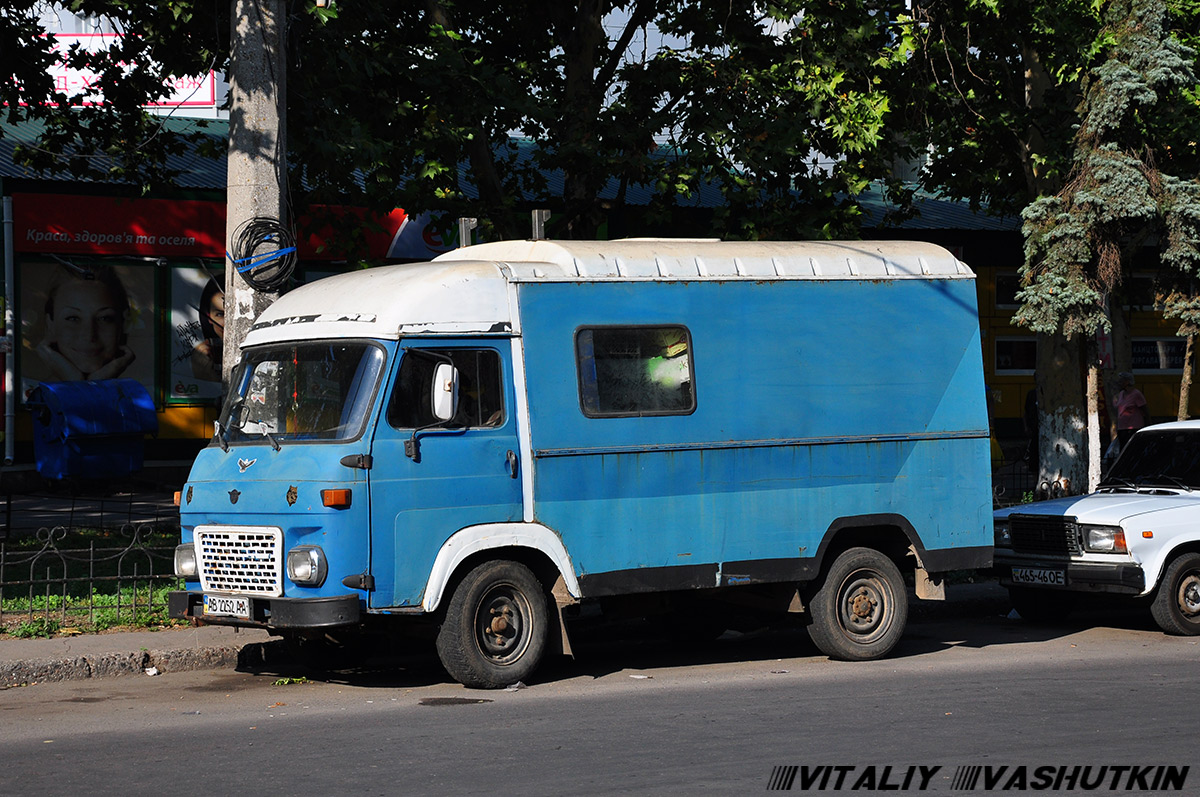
(197, 333)
(90, 321)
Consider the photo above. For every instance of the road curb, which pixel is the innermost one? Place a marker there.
(115, 663)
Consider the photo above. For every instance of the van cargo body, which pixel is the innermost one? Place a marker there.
(515, 429)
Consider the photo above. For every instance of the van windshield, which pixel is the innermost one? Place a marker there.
(303, 391)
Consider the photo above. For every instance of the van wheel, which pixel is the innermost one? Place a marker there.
(1041, 605)
(495, 628)
(1176, 606)
(859, 611)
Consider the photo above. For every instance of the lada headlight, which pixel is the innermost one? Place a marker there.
(1104, 539)
(185, 560)
(306, 565)
(1002, 534)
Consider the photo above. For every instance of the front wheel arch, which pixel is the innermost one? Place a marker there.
(1176, 603)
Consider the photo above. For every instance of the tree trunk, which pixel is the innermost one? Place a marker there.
(1061, 418)
(1093, 424)
(1185, 381)
(576, 127)
(1122, 347)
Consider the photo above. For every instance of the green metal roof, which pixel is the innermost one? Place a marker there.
(195, 171)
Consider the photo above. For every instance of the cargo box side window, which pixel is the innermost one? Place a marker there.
(630, 371)
(480, 389)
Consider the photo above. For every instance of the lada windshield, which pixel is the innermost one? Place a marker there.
(315, 391)
(1167, 458)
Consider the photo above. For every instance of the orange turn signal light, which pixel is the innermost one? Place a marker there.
(178, 497)
(338, 499)
(1149, 535)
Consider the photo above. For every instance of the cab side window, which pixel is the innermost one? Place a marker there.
(480, 389)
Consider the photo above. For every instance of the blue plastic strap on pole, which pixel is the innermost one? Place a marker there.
(258, 260)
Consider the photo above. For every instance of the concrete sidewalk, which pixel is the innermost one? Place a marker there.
(30, 661)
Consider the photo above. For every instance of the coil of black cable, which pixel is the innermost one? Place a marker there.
(264, 253)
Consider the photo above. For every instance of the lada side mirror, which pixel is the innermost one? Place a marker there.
(445, 391)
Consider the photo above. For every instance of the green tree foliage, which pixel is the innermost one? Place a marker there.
(114, 139)
(742, 97)
(992, 92)
(786, 107)
(1069, 111)
(416, 104)
(1079, 240)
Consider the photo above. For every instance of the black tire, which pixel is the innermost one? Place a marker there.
(1176, 606)
(495, 627)
(1041, 605)
(860, 609)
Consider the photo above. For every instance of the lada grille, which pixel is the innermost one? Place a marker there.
(245, 559)
(1044, 534)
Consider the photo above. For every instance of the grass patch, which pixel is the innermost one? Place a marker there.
(37, 627)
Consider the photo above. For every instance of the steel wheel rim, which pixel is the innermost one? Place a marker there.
(865, 606)
(1188, 596)
(501, 619)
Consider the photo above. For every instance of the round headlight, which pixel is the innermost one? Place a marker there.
(185, 560)
(306, 565)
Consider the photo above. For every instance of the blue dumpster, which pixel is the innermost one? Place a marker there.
(90, 429)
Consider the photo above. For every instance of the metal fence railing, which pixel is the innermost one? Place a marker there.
(72, 562)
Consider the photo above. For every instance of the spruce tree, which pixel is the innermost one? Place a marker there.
(1080, 241)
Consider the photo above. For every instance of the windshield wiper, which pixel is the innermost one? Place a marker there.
(219, 436)
(1174, 480)
(263, 431)
(1109, 482)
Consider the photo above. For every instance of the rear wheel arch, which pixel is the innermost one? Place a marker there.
(890, 534)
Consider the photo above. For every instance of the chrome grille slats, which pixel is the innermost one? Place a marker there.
(245, 560)
(1045, 534)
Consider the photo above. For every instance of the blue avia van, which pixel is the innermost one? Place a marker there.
(496, 438)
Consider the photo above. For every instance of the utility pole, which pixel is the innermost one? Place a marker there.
(257, 177)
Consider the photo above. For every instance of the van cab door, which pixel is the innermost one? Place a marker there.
(455, 474)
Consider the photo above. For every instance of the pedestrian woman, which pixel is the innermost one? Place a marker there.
(1132, 412)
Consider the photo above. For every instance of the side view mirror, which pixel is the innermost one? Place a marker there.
(444, 397)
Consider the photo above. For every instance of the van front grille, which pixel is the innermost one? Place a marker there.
(240, 559)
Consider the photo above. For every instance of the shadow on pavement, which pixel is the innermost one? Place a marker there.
(606, 649)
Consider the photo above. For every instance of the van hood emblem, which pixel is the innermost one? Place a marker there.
(233, 496)
(243, 464)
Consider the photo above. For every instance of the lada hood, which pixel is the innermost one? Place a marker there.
(1109, 508)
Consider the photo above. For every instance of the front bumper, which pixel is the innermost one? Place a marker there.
(295, 613)
(1117, 577)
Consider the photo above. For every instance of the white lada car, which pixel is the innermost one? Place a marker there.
(1137, 535)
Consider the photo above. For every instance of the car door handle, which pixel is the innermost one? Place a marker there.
(511, 464)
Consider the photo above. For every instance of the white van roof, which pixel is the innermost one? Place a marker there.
(681, 258)
(471, 289)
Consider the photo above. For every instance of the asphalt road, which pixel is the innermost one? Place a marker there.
(635, 716)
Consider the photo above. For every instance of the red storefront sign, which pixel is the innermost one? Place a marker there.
(73, 224)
